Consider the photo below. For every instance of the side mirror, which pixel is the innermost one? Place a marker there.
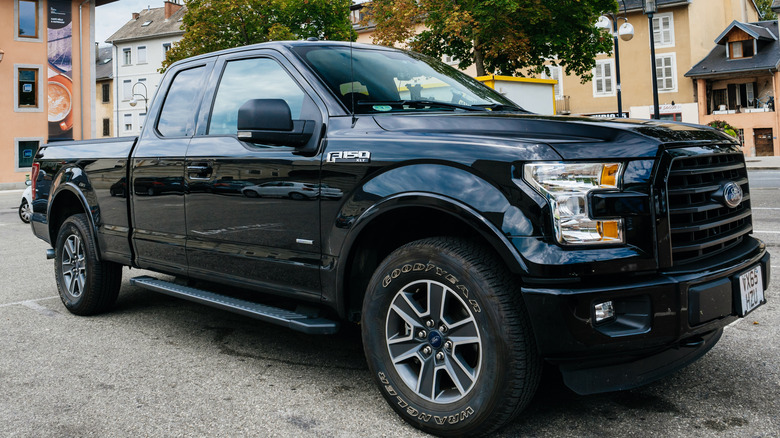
(28, 183)
(269, 121)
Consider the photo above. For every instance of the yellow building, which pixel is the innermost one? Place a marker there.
(104, 86)
(47, 72)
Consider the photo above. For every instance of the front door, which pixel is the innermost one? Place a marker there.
(253, 209)
(764, 143)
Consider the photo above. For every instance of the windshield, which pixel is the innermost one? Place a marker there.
(380, 81)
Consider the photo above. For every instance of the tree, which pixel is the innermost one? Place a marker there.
(765, 9)
(510, 37)
(211, 25)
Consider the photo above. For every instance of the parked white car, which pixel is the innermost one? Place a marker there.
(25, 208)
(282, 189)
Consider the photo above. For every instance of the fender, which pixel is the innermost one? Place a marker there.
(73, 179)
(481, 205)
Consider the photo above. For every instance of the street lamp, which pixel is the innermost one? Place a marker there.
(133, 102)
(626, 33)
(650, 7)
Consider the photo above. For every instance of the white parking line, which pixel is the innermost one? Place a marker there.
(765, 208)
(25, 302)
(766, 232)
(33, 305)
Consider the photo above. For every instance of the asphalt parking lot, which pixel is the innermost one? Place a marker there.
(160, 366)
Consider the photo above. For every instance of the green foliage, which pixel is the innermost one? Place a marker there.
(720, 125)
(765, 9)
(508, 37)
(211, 25)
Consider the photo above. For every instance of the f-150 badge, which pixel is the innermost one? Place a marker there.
(349, 157)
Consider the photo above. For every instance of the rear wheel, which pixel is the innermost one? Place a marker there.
(86, 285)
(447, 337)
(25, 211)
(297, 196)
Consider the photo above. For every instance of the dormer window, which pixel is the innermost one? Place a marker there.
(146, 23)
(741, 49)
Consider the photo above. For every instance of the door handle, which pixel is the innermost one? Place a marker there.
(199, 171)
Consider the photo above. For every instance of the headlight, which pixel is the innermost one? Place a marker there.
(566, 187)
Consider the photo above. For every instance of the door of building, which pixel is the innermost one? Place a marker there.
(764, 144)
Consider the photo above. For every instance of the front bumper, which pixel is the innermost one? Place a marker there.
(664, 321)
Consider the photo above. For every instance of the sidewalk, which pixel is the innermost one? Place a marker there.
(763, 163)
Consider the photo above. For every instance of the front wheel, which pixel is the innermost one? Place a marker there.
(86, 285)
(25, 211)
(447, 337)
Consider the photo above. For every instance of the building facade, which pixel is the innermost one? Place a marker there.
(139, 48)
(683, 32)
(104, 87)
(737, 83)
(47, 70)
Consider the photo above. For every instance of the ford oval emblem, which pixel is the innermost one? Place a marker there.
(732, 194)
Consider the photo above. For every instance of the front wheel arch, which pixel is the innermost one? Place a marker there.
(385, 227)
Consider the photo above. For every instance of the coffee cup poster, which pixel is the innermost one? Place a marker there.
(60, 74)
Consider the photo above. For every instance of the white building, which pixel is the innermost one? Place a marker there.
(139, 49)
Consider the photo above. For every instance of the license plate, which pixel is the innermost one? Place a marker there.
(751, 287)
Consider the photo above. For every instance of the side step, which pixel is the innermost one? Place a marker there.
(274, 315)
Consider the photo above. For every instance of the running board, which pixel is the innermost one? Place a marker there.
(274, 315)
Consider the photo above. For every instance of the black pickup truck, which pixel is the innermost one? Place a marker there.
(310, 184)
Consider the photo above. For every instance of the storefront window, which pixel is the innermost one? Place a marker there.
(28, 88)
(26, 152)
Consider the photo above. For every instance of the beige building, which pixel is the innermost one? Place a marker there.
(47, 72)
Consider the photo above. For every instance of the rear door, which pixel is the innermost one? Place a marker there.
(157, 183)
(266, 242)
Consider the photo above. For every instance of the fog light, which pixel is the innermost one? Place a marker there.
(604, 311)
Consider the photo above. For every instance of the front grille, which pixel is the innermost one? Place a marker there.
(700, 226)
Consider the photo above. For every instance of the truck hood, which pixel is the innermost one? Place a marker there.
(571, 137)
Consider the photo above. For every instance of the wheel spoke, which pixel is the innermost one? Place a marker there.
(462, 376)
(436, 296)
(72, 284)
(406, 310)
(81, 280)
(70, 250)
(426, 382)
(465, 332)
(402, 349)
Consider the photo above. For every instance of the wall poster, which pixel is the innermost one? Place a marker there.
(60, 74)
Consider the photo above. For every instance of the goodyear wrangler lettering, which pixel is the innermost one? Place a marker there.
(430, 267)
(420, 415)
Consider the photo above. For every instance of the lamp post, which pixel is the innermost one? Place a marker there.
(650, 7)
(626, 33)
(134, 102)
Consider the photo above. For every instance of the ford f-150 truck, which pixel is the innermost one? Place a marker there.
(472, 241)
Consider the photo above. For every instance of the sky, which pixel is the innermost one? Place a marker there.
(109, 18)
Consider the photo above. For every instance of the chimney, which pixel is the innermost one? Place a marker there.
(171, 6)
(136, 15)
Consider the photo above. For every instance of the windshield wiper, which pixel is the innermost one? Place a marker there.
(421, 103)
(502, 107)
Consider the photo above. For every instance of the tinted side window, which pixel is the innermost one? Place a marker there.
(177, 118)
(242, 80)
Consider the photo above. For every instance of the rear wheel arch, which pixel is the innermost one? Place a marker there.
(403, 219)
(66, 202)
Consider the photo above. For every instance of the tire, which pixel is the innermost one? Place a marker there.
(297, 196)
(25, 211)
(251, 194)
(469, 368)
(86, 286)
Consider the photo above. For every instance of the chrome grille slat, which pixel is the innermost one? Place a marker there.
(700, 226)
